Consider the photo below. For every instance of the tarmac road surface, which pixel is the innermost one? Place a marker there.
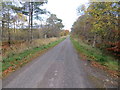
(60, 67)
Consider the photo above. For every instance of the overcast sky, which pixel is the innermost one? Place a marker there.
(65, 10)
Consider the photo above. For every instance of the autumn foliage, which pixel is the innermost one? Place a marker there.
(64, 32)
(98, 24)
(115, 48)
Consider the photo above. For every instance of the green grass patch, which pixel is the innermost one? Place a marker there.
(95, 54)
(27, 54)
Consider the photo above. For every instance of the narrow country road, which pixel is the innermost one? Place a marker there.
(60, 67)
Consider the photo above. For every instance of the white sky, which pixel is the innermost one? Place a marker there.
(65, 10)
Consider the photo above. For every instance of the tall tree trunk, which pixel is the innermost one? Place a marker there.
(29, 24)
(14, 28)
(3, 27)
(15, 38)
(9, 34)
(94, 40)
(2, 30)
(31, 20)
(41, 28)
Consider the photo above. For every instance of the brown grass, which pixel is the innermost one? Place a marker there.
(20, 47)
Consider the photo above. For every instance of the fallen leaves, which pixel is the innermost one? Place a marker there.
(113, 73)
(10, 69)
(83, 56)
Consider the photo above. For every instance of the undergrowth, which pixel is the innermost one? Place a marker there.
(95, 54)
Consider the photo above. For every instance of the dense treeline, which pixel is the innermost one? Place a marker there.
(28, 21)
(98, 26)
(28, 30)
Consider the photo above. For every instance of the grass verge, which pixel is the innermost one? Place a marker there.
(94, 54)
(14, 61)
